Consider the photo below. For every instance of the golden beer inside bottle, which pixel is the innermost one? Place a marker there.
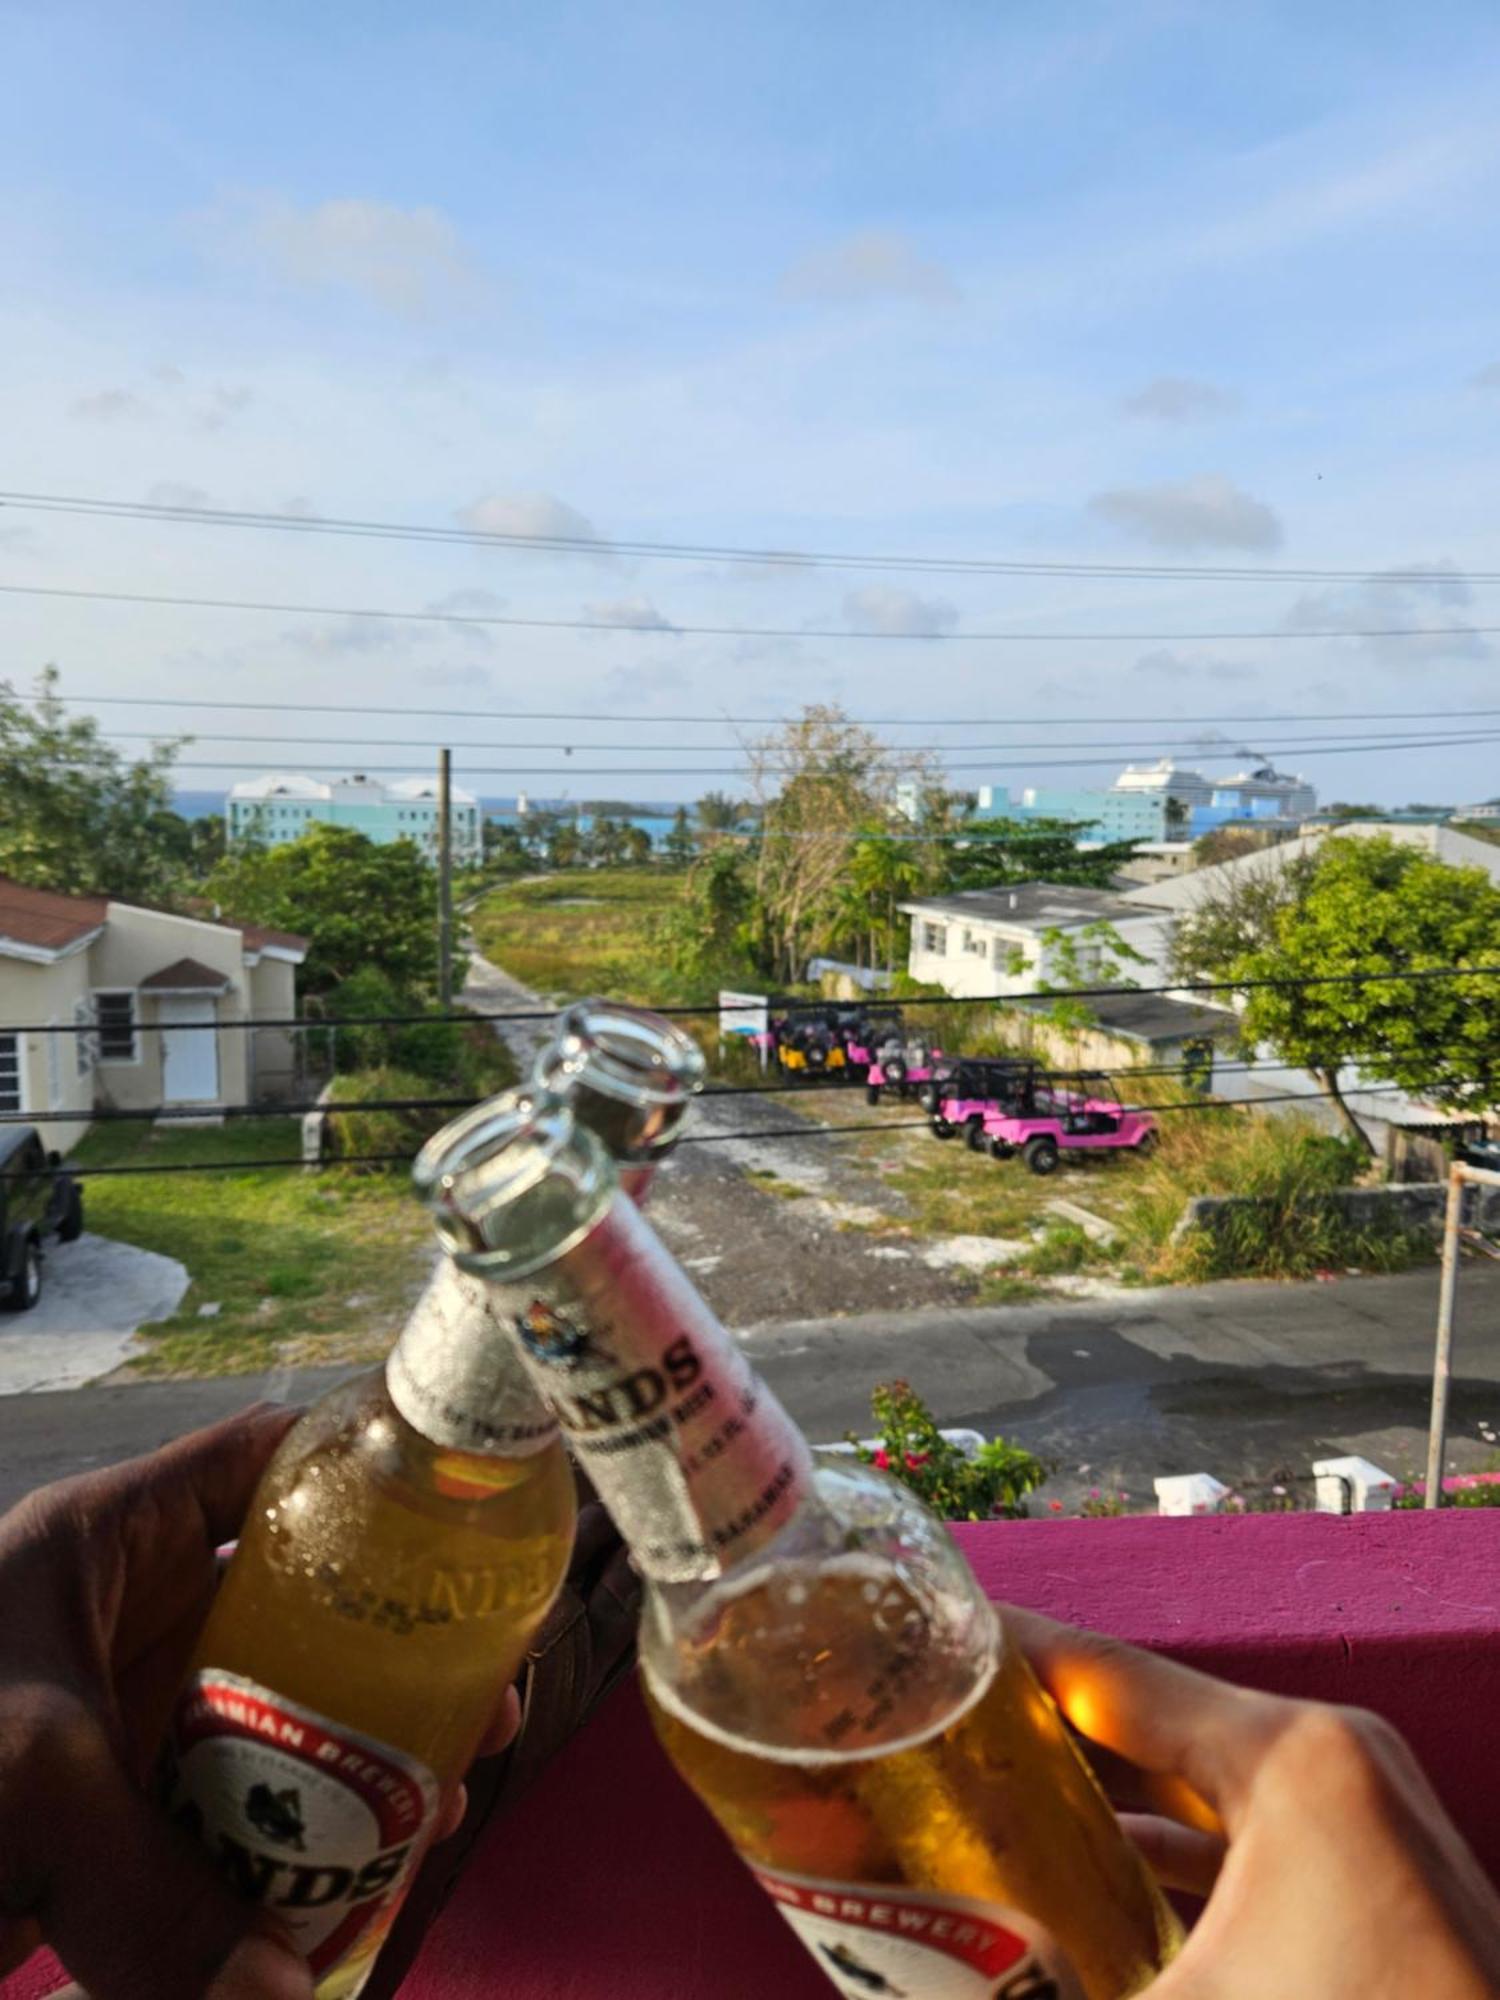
(393, 1585)
(833, 1735)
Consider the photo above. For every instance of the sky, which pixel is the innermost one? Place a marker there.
(1139, 283)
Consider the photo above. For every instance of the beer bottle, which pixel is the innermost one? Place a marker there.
(405, 1543)
(819, 1660)
(629, 1076)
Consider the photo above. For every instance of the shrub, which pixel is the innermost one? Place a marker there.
(993, 1484)
(1287, 1168)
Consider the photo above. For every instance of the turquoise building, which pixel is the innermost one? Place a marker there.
(282, 806)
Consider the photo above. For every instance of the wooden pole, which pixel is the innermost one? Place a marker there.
(445, 879)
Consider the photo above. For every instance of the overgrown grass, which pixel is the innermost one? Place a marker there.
(485, 1065)
(585, 930)
(1287, 1167)
(304, 1268)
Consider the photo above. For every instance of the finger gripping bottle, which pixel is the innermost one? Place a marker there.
(821, 1665)
(405, 1543)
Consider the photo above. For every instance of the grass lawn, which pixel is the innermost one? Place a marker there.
(304, 1268)
(582, 930)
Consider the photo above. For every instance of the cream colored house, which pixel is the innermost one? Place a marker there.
(107, 1005)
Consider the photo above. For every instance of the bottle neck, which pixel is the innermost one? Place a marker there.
(691, 1453)
(455, 1377)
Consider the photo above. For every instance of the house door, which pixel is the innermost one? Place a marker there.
(189, 1053)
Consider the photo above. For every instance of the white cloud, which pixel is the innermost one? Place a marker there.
(173, 493)
(1165, 664)
(106, 405)
(1395, 599)
(530, 515)
(1203, 513)
(902, 613)
(408, 260)
(225, 402)
(645, 686)
(1486, 378)
(1180, 399)
(467, 603)
(871, 264)
(631, 614)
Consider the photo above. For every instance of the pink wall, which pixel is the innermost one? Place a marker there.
(609, 1882)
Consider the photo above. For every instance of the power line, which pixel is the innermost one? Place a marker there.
(200, 738)
(472, 714)
(801, 1131)
(597, 546)
(1418, 974)
(670, 628)
(1361, 748)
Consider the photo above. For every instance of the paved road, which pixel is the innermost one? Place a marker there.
(95, 1294)
(1249, 1381)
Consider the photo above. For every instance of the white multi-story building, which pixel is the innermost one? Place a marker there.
(282, 806)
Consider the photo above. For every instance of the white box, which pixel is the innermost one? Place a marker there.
(1190, 1493)
(1353, 1486)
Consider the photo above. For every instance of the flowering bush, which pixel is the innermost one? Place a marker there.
(992, 1484)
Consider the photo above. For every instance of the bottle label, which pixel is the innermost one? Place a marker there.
(321, 1825)
(906, 1944)
(455, 1377)
(694, 1458)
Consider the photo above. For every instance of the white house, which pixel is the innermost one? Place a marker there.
(104, 1004)
(1013, 940)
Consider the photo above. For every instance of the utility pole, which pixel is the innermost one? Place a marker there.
(445, 879)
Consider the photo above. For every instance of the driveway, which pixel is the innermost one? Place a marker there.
(95, 1294)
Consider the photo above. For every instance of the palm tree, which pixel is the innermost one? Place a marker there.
(717, 812)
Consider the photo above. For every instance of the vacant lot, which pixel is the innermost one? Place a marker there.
(301, 1267)
(582, 930)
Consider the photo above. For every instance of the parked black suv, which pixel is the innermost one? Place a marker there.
(38, 1198)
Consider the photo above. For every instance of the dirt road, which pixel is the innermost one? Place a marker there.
(769, 1226)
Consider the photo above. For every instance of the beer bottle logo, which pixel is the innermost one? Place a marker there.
(278, 1815)
(552, 1337)
(847, 1962)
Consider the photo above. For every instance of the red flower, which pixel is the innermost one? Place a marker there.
(915, 1460)
(883, 1459)
(1055, 1505)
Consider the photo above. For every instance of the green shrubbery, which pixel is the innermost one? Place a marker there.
(993, 1484)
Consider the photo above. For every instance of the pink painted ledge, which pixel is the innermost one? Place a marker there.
(609, 1882)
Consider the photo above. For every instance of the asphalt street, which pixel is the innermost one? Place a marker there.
(1249, 1381)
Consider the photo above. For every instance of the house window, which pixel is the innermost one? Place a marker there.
(935, 939)
(115, 1013)
(86, 1041)
(10, 1073)
(975, 944)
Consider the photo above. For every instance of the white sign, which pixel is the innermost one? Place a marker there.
(743, 1013)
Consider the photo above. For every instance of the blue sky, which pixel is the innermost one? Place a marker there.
(1116, 283)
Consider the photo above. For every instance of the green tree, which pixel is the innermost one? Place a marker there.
(75, 814)
(361, 905)
(1354, 906)
(704, 938)
(1095, 955)
(635, 845)
(715, 815)
(678, 844)
(995, 853)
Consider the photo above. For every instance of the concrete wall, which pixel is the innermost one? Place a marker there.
(1413, 1205)
(273, 1053)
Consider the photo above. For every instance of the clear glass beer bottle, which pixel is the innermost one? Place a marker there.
(821, 1664)
(404, 1545)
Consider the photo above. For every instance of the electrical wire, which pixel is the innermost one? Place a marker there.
(1368, 739)
(745, 770)
(473, 714)
(671, 628)
(597, 546)
(698, 1010)
(802, 1131)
